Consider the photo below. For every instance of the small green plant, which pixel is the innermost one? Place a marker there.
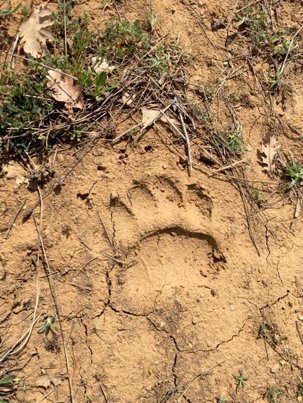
(233, 141)
(7, 386)
(51, 332)
(203, 116)
(25, 11)
(240, 380)
(32, 118)
(257, 196)
(275, 80)
(300, 389)
(9, 380)
(294, 174)
(206, 92)
(49, 327)
(121, 40)
(24, 104)
(221, 399)
(269, 332)
(273, 394)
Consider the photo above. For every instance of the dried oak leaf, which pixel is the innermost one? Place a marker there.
(64, 90)
(149, 116)
(268, 152)
(43, 381)
(33, 32)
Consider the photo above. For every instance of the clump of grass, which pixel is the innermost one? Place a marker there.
(24, 105)
(273, 394)
(269, 332)
(271, 43)
(294, 174)
(149, 70)
(121, 40)
(267, 40)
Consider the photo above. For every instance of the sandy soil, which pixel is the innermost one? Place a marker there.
(160, 290)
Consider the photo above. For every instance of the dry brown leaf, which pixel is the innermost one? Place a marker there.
(55, 380)
(269, 150)
(33, 32)
(64, 89)
(102, 66)
(149, 116)
(43, 381)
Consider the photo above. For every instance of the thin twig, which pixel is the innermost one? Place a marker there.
(151, 122)
(65, 27)
(103, 393)
(188, 148)
(298, 331)
(23, 340)
(289, 49)
(14, 220)
(46, 395)
(249, 5)
(200, 375)
(35, 313)
(13, 50)
(110, 241)
(169, 121)
(228, 166)
(118, 138)
(11, 351)
(52, 290)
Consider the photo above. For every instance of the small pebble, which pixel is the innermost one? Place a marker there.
(300, 316)
(194, 320)
(213, 292)
(114, 196)
(275, 368)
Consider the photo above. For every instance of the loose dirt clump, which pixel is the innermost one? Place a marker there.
(150, 202)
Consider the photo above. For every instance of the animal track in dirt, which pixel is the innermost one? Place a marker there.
(161, 230)
(160, 206)
(171, 257)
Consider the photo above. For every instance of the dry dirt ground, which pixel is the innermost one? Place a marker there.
(162, 295)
